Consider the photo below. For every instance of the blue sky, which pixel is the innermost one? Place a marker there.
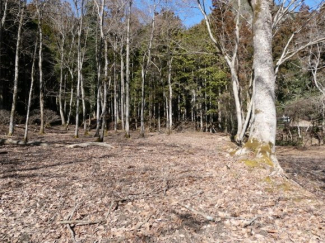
(187, 10)
(194, 15)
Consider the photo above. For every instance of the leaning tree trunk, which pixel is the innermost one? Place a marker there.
(14, 98)
(263, 132)
(30, 95)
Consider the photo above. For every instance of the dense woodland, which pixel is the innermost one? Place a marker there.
(96, 64)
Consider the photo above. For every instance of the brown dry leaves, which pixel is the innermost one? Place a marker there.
(136, 190)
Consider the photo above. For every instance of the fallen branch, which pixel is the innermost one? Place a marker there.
(81, 222)
(84, 145)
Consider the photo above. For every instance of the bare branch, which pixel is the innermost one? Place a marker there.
(3, 19)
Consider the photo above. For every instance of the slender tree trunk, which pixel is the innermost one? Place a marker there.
(64, 95)
(122, 89)
(99, 90)
(127, 84)
(159, 126)
(61, 83)
(76, 132)
(30, 94)
(70, 105)
(104, 109)
(14, 95)
(145, 64)
(99, 72)
(205, 105)
(104, 113)
(3, 19)
(170, 98)
(79, 66)
(84, 115)
(142, 102)
(40, 67)
(115, 89)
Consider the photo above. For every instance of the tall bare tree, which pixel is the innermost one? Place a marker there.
(30, 93)
(62, 23)
(3, 14)
(146, 60)
(82, 35)
(127, 83)
(231, 57)
(18, 42)
(40, 7)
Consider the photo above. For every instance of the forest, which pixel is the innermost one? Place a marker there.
(91, 86)
(114, 66)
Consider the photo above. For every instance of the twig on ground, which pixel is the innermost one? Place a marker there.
(250, 221)
(138, 226)
(81, 222)
(73, 236)
(110, 208)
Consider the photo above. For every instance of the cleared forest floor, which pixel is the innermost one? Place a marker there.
(183, 187)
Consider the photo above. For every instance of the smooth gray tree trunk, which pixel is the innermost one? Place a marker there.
(170, 96)
(39, 9)
(263, 132)
(62, 115)
(127, 83)
(122, 89)
(14, 95)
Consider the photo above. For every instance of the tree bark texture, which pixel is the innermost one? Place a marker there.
(264, 126)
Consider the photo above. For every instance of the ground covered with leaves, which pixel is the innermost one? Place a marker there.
(183, 187)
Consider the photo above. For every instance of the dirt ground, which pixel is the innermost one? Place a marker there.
(183, 187)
